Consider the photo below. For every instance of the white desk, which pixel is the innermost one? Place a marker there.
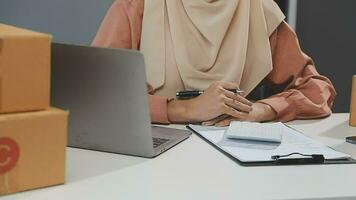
(196, 170)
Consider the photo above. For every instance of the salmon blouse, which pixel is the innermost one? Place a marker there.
(306, 95)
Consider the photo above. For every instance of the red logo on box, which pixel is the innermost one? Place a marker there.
(9, 154)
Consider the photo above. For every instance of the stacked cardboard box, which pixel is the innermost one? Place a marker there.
(353, 103)
(33, 136)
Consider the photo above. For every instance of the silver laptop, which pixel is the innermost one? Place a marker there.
(105, 91)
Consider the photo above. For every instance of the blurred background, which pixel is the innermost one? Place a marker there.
(326, 30)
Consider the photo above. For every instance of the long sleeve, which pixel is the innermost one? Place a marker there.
(308, 94)
(121, 28)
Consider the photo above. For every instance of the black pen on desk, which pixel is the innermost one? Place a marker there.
(188, 94)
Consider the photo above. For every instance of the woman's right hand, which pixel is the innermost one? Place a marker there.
(217, 100)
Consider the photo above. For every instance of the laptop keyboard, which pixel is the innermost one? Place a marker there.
(159, 141)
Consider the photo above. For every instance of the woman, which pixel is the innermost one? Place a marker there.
(216, 46)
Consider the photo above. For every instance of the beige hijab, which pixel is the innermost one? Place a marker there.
(213, 40)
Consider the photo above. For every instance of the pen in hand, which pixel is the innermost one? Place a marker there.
(188, 94)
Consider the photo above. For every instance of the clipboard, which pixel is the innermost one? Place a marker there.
(280, 160)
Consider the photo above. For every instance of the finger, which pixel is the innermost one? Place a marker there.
(223, 123)
(233, 112)
(229, 85)
(238, 105)
(215, 120)
(237, 97)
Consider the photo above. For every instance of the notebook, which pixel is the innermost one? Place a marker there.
(265, 132)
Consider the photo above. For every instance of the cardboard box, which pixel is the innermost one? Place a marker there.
(32, 150)
(24, 70)
(353, 103)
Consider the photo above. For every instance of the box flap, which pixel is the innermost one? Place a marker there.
(7, 31)
(24, 115)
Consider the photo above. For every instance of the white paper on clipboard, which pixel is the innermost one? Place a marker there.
(254, 151)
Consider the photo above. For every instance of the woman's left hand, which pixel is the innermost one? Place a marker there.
(260, 113)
